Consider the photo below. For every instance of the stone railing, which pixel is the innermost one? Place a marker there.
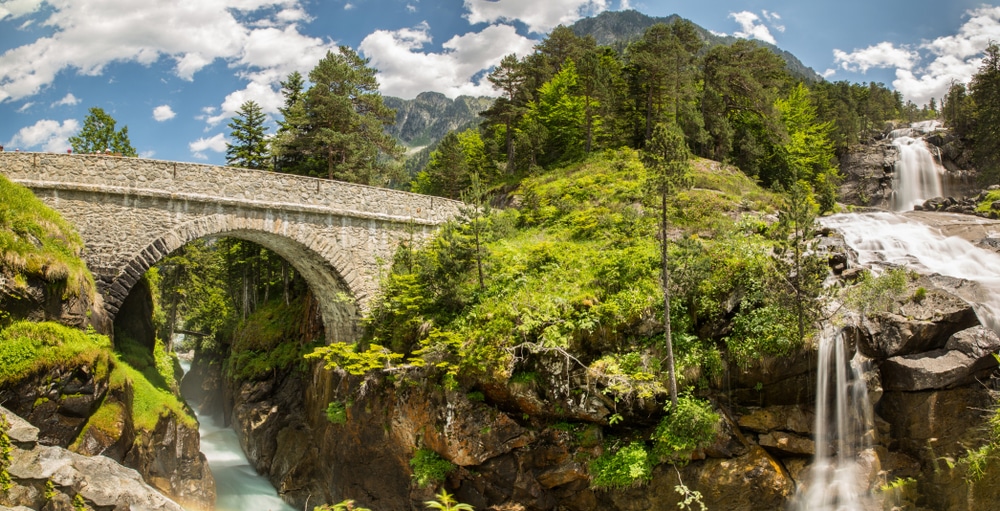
(221, 185)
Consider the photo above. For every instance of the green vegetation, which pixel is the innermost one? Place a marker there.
(79, 504)
(248, 131)
(875, 294)
(6, 455)
(28, 348)
(36, 242)
(626, 467)
(444, 501)
(972, 111)
(98, 135)
(268, 341)
(336, 412)
(345, 505)
(689, 425)
(429, 467)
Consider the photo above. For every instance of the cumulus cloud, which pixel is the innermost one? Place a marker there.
(395, 54)
(163, 113)
(68, 100)
(752, 27)
(884, 54)
(260, 39)
(17, 8)
(540, 17)
(46, 134)
(216, 143)
(928, 70)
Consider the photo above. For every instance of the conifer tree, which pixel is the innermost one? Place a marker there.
(248, 130)
(985, 91)
(98, 135)
(667, 160)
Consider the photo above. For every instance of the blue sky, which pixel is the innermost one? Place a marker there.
(175, 71)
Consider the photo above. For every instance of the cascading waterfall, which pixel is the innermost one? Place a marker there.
(238, 486)
(843, 419)
(836, 481)
(918, 173)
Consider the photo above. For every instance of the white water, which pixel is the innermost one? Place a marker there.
(836, 481)
(889, 239)
(918, 173)
(238, 486)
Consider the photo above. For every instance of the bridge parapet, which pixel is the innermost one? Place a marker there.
(132, 212)
(222, 185)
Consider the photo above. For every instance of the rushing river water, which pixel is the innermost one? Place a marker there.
(238, 486)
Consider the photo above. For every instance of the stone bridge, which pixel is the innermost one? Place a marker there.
(132, 212)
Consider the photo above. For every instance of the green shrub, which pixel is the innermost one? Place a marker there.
(919, 295)
(690, 425)
(627, 467)
(429, 467)
(336, 412)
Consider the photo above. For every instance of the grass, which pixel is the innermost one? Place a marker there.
(36, 241)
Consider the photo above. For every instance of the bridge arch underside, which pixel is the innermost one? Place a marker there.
(337, 256)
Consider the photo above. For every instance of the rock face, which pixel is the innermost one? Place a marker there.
(100, 481)
(37, 300)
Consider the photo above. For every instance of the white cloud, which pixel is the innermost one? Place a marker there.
(190, 33)
(395, 54)
(68, 100)
(25, 107)
(163, 113)
(18, 8)
(46, 134)
(348, 6)
(829, 72)
(774, 19)
(540, 17)
(411, 8)
(216, 143)
(624, 5)
(948, 59)
(884, 54)
(751, 28)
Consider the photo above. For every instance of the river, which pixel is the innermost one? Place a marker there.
(238, 486)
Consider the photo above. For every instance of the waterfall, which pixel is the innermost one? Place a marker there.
(238, 486)
(841, 473)
(918, 173)
(836, 480)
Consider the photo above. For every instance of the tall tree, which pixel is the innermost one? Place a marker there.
(985, 91)
(561, 110)
(248, 130)
(507, 78)
(802, 268)
(98, 135)
(342, 121)
(667, 160)
(808, 150)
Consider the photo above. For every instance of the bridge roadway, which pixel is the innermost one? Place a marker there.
(132, 212)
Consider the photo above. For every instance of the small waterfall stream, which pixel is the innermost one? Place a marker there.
(238, 486)
(918, 173)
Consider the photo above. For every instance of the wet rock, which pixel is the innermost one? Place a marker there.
(919, 327)
(782, 443)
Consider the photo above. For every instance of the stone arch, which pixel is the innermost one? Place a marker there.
(323, 265)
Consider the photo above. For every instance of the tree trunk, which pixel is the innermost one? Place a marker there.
(666, 300)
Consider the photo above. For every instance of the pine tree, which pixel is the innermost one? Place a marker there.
(98, 135)
(985, 91)
(507, 77)
(667, 160)
(341, 121)
(251, 148)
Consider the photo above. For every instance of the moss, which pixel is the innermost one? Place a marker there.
(28, 348)
(269, 341)
(35, 241)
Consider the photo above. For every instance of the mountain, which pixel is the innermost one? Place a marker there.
(430, 116)
(618, 28)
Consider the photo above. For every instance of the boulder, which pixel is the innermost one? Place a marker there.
(929, 424)
(967, 355)
(919, 327)
(794, 418)
(781, 443)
